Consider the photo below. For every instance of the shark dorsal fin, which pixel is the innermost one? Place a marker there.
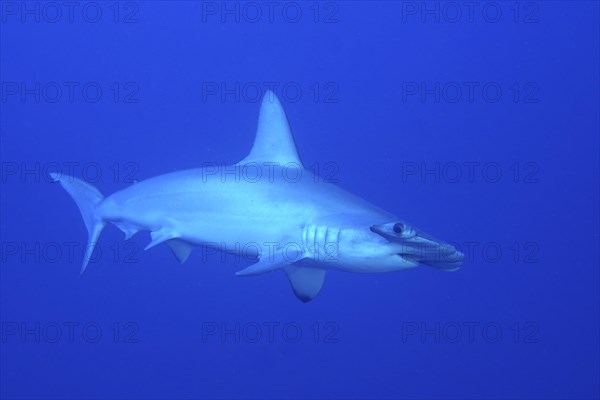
(273, 141)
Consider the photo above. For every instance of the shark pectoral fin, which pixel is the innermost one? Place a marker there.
(181, 249)
(160, 236)
(266, 264)
(306, 282)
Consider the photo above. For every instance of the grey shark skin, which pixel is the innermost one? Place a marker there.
(283, 215)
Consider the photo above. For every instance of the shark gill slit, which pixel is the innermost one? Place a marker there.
(320, 238)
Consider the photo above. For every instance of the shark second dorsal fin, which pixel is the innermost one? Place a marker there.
(273, 141)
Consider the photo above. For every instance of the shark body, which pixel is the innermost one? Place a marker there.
(279, 213)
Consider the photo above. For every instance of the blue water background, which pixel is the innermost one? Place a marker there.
(360, 59)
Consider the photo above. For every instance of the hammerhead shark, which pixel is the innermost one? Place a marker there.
(295, 221)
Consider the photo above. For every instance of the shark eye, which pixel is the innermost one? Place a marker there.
(398, 228)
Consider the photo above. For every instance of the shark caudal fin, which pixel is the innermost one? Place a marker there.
(87, 199)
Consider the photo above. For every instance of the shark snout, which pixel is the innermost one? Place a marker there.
(416, 246)
(434, 253)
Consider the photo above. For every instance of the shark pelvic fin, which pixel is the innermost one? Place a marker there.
(270, 262)
(180, 249)
(159, 236)
(306, 282)
(273, 141)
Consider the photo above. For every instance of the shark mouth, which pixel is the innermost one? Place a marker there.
(423, 249)
(434, 254)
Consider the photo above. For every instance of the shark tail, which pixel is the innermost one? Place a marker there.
(87, 199)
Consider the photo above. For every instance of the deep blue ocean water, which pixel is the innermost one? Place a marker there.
(477, 122)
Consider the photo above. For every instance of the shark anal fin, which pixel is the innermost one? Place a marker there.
(128, 230)
(181, 249)
(306, 282)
